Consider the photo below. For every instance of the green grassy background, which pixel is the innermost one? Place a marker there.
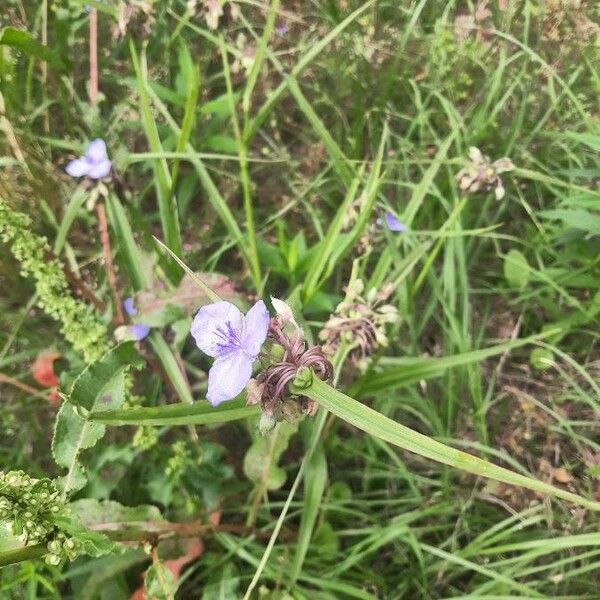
(249, 171)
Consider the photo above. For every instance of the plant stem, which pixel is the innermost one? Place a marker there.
(108, 263)
(93, 56)
(11, 557)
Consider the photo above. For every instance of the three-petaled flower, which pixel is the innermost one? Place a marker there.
(95, 163)
(235, 340)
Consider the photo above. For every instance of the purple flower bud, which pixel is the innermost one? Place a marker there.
(93, 164)
(234, 340)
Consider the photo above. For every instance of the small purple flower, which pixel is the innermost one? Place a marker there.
(224, 333)
(282, 30)
(393, 223)
(129, 307)
(138, 330)
(94, 164)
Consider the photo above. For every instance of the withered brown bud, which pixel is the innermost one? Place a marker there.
(271, 386)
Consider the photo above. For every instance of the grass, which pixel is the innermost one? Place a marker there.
(264, 150)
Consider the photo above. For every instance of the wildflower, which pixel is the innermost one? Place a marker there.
(392, 222)
(282, 30)
(235, 340)
(138, 331)
(94, 163)
(129, 307)
(360, 321)
(479, 173)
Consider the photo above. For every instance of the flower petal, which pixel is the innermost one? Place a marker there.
(78, 167)
(96, 151)
(393, 223)
(129, 306)
(139, 331)
(211, 321)
(256, 326)
(228, 376)
(100, 169)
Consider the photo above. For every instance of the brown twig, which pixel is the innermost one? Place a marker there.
(79, 284)
(110, 271)
(155, 531)
(22, 386)
(93, 56)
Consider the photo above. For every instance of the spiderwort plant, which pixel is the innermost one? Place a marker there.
(222, 332)
(94, 163)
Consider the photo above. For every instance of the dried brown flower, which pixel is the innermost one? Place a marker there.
(360, 321)
(481, 174)
(271, 387)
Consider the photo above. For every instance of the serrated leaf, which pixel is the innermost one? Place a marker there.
(94, 385)
(100, 387)
(93, 512)
(93, 543)
(72, 434)
(516, 269)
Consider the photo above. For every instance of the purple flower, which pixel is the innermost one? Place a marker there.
(282, 29)
(393, 223)
(129, 306)
(223, 332)
(138, 330)
(94, 164)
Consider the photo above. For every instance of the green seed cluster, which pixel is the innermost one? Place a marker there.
(81, 328)
(32, 506)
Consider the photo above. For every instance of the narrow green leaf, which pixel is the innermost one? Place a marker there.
(328, 244)
(315, 478)
(378, 425)
(171, 366)
(409, 370)
(199, 413)
(189, 115)
(167, 203)
(130, 253)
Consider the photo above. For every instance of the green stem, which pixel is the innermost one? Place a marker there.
(10, 557)
(376, 424)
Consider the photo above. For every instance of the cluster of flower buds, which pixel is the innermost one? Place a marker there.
(31, 507)
(359, 321)
(481, 174)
